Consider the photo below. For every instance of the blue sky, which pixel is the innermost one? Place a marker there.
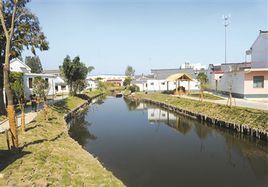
(111, 34)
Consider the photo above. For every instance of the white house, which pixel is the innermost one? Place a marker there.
(247, 79)
(17, 65)
(157, 82)
(91, 84)
(61, 86)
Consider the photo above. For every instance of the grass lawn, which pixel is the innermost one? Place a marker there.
(48, 156)
(206, 96)
(239, 115)
(93, 93)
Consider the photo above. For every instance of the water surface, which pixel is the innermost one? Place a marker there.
(145, 145)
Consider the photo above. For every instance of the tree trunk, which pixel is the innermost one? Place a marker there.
(3, 110)
(46, 109)
(10, 106)
(2, 103)
(22, 117)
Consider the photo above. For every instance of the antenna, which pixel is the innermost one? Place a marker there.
(226, 23)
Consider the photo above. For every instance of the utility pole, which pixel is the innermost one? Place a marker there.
(226, 23)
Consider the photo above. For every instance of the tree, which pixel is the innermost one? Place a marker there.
(202, 79)
(8, 33)
(26, 33)
(129, 71)
(127, 81)
(233, 71)
(34, 63)
(75, 72)
(41, 89)
(17, 86)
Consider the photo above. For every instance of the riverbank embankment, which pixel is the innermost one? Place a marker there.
(49, 156)
(243, 120)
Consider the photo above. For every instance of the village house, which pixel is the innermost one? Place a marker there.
(61, 87)
(157, 81)
(245, 80)
(16, 65)
(91, 84)
(56, 84)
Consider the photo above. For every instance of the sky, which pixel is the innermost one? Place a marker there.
(147, 34)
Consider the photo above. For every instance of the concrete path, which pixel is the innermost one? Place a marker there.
(239, 102)
(29, 115)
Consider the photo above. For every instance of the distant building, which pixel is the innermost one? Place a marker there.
(247, 79)
(91, 84)
(157, 81)
(116, 79)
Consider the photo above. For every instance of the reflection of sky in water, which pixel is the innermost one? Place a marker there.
(147, 146)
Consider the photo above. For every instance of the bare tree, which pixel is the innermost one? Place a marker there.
(233, 72)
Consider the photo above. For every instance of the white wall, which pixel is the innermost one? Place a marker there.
(142, 86)
(29, 91)
(161, 85)
(61, 90)
(236, 80)
(91, 84)
(18, 66)
(259, 52)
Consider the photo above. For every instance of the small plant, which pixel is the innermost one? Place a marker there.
(202, 79)
(41, 89)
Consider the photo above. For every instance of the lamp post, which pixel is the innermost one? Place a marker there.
(226, 23)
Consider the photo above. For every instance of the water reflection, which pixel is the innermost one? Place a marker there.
(79, 129)
(145, 145)
(256, 157)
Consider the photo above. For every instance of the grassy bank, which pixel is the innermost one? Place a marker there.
(48, 156)
(206, 96)
(238, 115)
(93, 93)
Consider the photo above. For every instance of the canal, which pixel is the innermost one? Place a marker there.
(145, 145)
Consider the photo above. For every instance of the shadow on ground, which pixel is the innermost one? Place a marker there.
(7, 157)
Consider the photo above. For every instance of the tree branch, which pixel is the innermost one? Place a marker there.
(2, 18)
(13, 18)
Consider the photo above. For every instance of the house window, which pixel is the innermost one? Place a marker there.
(46, 79)
(258, 81)
(30, 80)
(63, 88)
(163, 83)
(152, 83)
(56, 88)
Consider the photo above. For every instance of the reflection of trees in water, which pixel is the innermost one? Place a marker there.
(79, 130)
(99, 100)
(255, 153)
(131, 105)
(202, 130)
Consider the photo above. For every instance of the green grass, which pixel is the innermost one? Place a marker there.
(206, 96)
(238, 115)
(48, 156)
(93, 93)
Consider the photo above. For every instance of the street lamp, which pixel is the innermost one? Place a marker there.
(226, 23)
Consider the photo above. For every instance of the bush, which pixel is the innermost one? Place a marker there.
(134, 88)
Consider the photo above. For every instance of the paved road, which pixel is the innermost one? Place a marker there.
(29, 115)
(239, 102)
